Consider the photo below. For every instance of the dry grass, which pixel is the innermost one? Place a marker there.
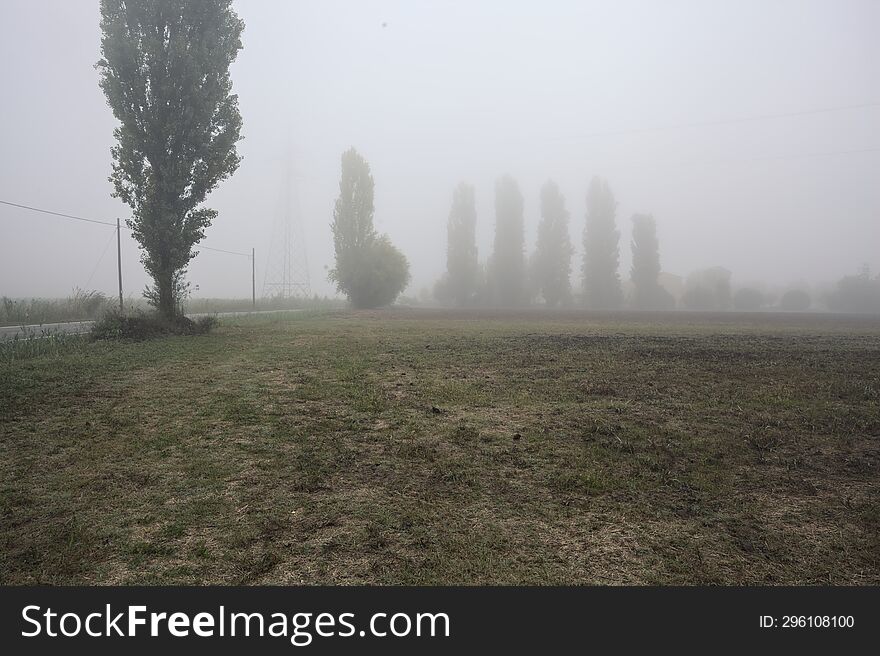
(423, 447)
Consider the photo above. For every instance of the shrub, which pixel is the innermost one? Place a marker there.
(382, 273)
(142, 325)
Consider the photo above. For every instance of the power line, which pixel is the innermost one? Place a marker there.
(100, 259)
(764, 158)
(220, 250)
(61, 214)
(82, 218)
(742, 119)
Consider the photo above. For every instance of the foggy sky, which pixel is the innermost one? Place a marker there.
(451, 91)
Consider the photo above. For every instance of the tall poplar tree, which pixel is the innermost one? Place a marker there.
(648, 294)
(601, 249)
(369, 270)
(507, 267)
(551, 262)
(461, 247)
(165, 73)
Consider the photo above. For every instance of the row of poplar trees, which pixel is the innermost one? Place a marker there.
(509, 279)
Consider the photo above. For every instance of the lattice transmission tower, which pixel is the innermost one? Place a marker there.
(287, 267)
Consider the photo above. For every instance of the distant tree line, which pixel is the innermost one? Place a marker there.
(853, 294)
(371, 272)
(510, 279)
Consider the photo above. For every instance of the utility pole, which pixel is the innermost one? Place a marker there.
(119, 261)
(253, 278)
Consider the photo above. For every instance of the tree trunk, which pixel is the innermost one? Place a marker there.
(167, 302)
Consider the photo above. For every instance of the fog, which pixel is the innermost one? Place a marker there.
(647, 95)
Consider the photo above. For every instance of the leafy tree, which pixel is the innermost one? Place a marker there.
(645, 271)
(859, 293)
(507, 267)
(601, 249)
(748, 299)
(383, 276)
(165, 74)
(461, 248)
(551, 263)
(369, 270)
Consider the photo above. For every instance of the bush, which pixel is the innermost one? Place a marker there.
(140, 326)
(858, 293)
(795, 300)
(748, 299)
(381, 275)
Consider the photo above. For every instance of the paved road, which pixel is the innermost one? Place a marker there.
(40, 330)
(77, 327)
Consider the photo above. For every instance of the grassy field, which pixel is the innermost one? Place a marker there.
(417, 447)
